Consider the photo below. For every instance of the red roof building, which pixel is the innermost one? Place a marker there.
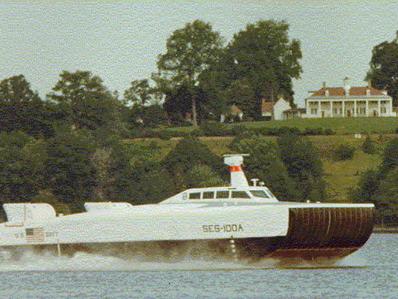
(347, 101)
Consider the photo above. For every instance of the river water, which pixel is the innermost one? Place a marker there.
(371, 272)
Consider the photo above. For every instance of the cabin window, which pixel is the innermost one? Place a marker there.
(195, 195)
(208, 195)
(240, 194)
(259, 193)
(222, 194)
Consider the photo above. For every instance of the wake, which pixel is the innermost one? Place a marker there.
(28, 260)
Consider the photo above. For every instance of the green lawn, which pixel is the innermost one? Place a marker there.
(372, 125)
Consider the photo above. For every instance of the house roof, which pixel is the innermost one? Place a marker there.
(291, 110)
(266, 106)
(354, 91)
(235, 110)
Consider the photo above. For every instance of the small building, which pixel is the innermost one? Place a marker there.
(275, 110)
(233, 113)
(347, 101)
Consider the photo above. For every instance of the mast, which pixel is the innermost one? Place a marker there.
(235, 161)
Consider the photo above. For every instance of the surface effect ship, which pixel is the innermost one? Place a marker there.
(240, 221)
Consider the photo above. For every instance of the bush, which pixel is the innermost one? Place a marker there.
(313, 131)
(196, 133)
(243, 132)
(287, 130)
(165, 135)
(368, 146)
(344, 152)
(215, 129)
(329, 132)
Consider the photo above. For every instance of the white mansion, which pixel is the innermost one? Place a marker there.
(348, 101)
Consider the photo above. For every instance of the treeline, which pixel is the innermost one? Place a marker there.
(198, 78)
(380, 186)
(218, 129)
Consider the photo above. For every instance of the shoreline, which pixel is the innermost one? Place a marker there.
(385, 230)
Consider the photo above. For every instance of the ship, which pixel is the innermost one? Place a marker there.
(241, 221)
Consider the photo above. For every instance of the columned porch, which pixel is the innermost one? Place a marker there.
(349, 108)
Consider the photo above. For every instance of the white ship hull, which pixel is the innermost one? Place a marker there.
(243, 231)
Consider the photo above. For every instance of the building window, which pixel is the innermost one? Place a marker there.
(335, 111)
(383, 110)
(314, 111)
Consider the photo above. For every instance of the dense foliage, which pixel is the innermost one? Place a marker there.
(265, 163)
(304, 166)
(380, 186)
(384, 67)
(344, 152)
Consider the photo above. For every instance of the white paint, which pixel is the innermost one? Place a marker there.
(279, 107)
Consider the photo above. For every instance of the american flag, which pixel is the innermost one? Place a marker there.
(34, 235)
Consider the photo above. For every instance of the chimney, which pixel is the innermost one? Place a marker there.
(326, 92)
(347, 86)
(369, 84)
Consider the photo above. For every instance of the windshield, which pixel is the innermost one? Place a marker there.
(259, 193)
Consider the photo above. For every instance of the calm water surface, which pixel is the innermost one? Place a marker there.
(370, 273)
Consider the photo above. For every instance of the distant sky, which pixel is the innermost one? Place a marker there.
(119, 41)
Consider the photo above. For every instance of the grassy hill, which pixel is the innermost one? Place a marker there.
(340, 176)
(341, 126)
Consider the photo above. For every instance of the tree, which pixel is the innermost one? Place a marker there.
(303, 165)
(70, 172)
(187, 154)
(384, 67)
(264, 58)
(139, 93)
(87, 102)
(240, 93)
(151, 182)
(390, 157)
(368, 146)
(201, 176)
(148, 116)
(21, 167)
(178, 104)
(368, 186)
(344, 152)
(21, 109)
(387, 198)
(265, 164)
(189, 52)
